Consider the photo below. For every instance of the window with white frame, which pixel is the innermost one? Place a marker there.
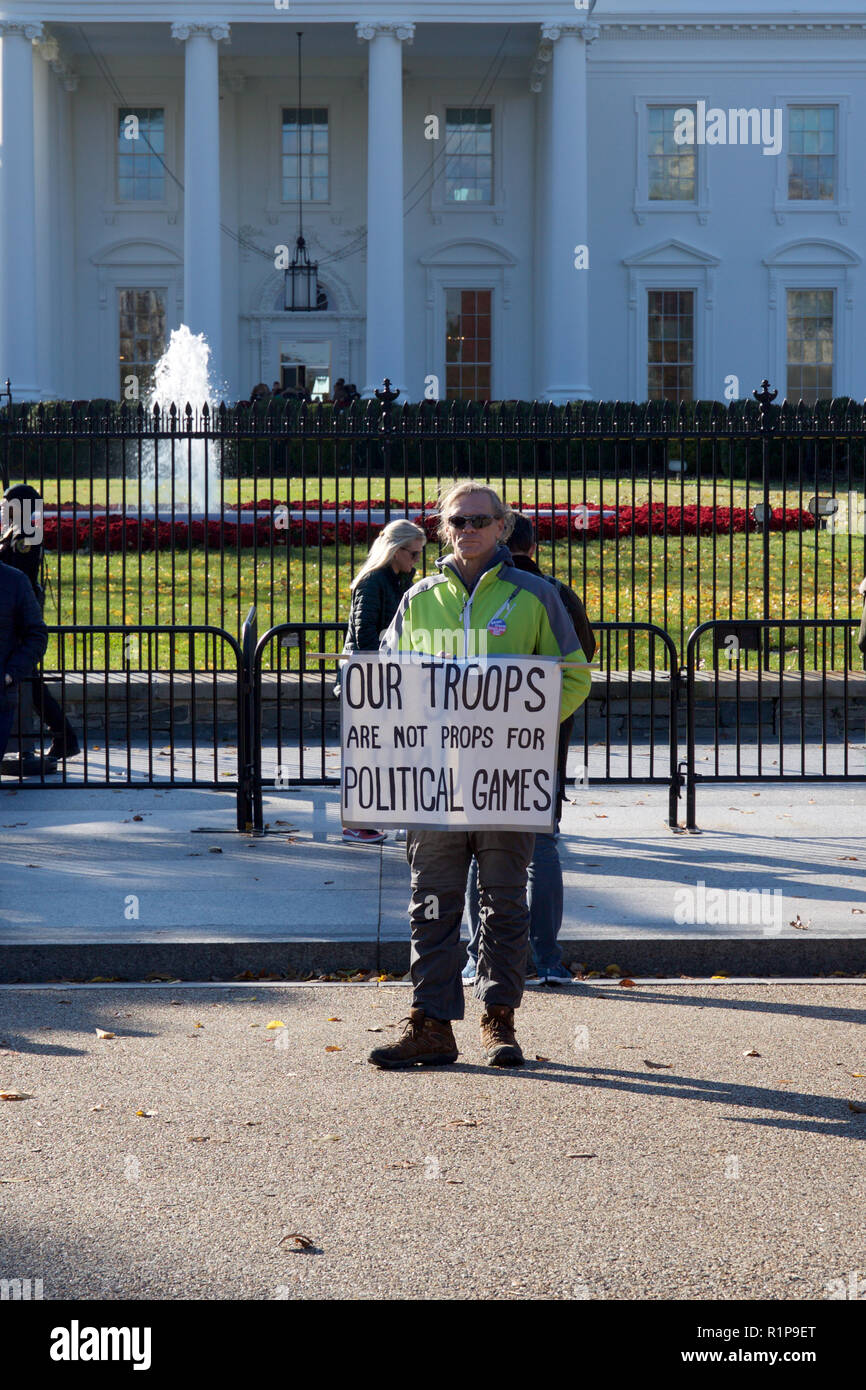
(670, 345)
(812, 153)
(141, 323)
(810, 337)
(140, 154)
(468, 344)
(305, 154)
(671, 174)
(468, 154)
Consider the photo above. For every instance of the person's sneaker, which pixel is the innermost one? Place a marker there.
(365, 837)
(428, 1041)
(469, 971)
(554, 975)
(497, 1037)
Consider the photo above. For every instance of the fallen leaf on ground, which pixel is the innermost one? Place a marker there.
(275, 1023)
(403, 1163)
(627, 982)
(847, 856)
(715, 977)
(455, 1182)
(454, 1124)
(751, 1053)
(335, 1020)
(148, 1114)
(301, 1242)
(326, 1139)
(101, 1033)
(16, 1179)
(14, 1095)
(539, 1058)
(374, 1030)
(197, 1138)
(97, 1107)
(581, 1155)
(858, 1109)
(659, 1065)
(332, 1047)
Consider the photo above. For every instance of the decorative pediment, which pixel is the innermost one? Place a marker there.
(816, 251)
(468, 252)
(673, 253)
(137, 252)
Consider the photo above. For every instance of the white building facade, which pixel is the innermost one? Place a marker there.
(551, 199)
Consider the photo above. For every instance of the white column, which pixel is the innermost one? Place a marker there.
(566, 366)
(202, 278)
(386, 328)
(18, 310)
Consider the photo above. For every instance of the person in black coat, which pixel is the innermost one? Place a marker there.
(23, 639)
(377, 589)
(381, 582)
(22, 552)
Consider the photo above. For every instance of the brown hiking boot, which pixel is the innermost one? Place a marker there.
(497, 1037)
(428, 1041)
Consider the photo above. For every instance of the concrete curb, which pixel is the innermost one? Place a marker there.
(225, 960)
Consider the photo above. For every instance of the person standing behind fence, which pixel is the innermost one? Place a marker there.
(544, 880)
(377, 589)
(23, 639)
(22, 553)
(481, 600)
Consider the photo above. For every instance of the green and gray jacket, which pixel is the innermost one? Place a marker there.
(519, 614)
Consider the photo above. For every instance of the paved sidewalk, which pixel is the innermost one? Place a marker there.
(83, 883)
(588, 1175)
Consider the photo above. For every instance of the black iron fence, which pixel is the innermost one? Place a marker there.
(625, 734)
(181, 721)
(212, 712)
(662, 516)
(752, 718)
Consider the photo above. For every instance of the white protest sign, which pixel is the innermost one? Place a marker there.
(439, 744)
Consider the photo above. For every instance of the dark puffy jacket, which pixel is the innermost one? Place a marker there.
(375, 600)
(23, 634)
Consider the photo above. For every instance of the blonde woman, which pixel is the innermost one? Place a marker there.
(377, 589)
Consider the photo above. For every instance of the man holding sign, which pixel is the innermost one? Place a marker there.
(479, 610)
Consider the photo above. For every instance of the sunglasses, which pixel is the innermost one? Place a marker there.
(477, 522)
(416, 554)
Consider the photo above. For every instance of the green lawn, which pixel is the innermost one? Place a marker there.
(615, 579)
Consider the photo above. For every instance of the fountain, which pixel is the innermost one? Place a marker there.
(183, 479)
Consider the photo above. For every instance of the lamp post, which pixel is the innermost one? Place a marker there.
(301, 283)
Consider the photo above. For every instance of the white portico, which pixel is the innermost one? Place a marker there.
(490, 191)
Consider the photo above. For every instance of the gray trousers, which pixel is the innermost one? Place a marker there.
(439, 860)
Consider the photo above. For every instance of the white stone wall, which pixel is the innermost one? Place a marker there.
(740, 249)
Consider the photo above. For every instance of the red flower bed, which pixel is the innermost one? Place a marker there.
(106, 533)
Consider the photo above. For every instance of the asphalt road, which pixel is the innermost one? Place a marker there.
(589, 1175)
